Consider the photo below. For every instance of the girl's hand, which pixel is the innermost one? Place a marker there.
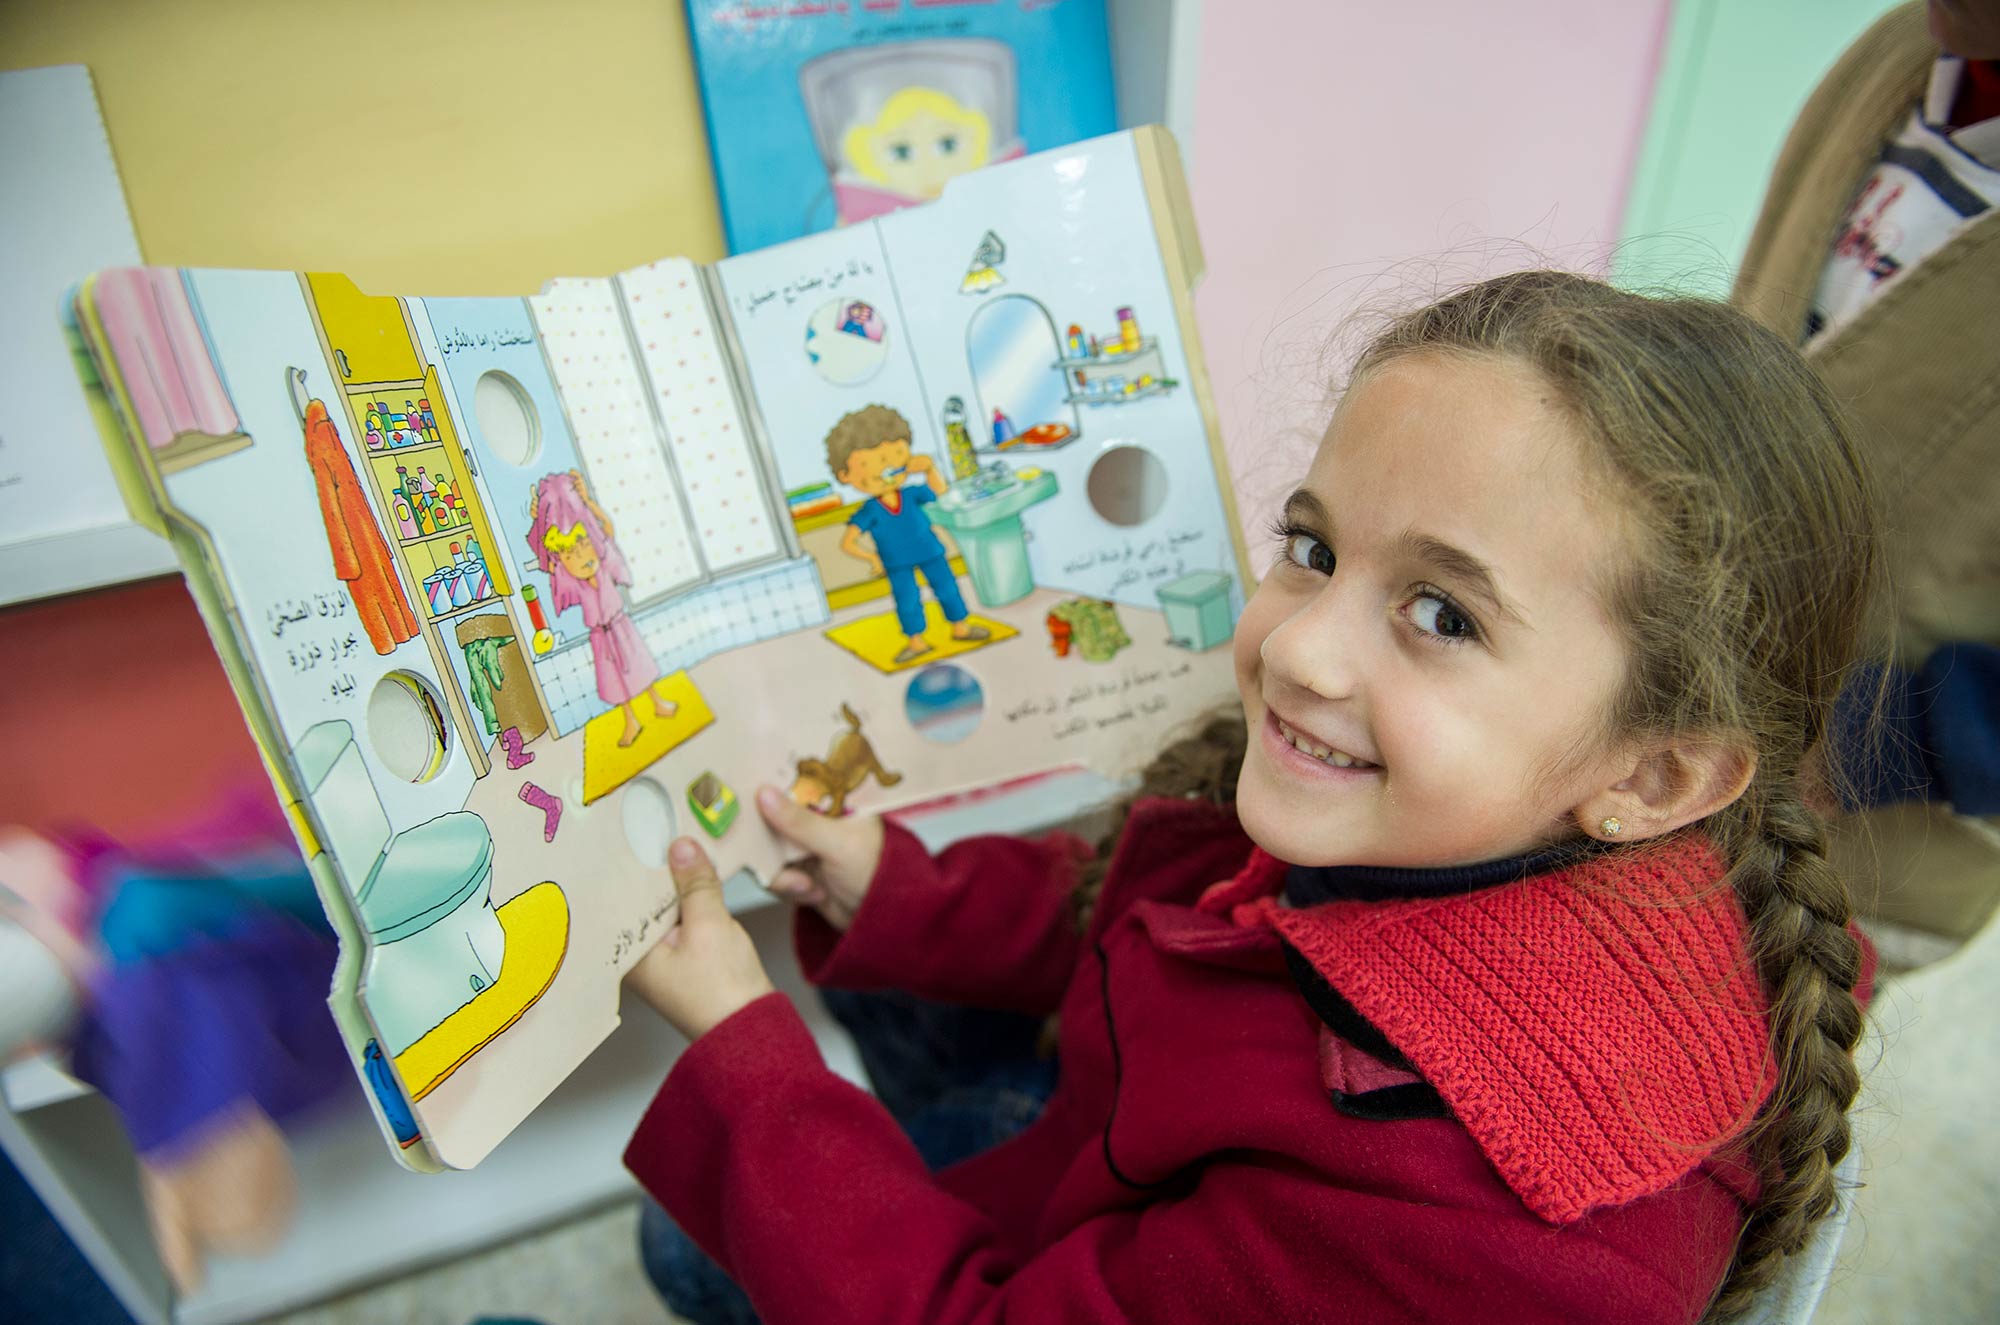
(834, 878)
(705, 969)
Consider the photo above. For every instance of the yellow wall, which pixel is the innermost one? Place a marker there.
(441, 147)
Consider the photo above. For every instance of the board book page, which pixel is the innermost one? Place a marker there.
(515, 590)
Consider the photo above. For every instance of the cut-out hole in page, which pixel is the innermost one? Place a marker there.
(944, 702)
(407, 727)
(1127, 485)
(648, 814)
(847, 341)
(507, 418)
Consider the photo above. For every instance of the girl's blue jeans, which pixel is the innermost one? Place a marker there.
(958, 1080)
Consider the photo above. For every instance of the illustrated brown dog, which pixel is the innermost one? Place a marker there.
(846, 766)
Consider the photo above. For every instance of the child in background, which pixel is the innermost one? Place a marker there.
(571, 539)
(1487, 966)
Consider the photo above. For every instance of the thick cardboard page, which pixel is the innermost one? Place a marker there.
(515, 590)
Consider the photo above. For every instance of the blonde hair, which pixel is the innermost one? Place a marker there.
(556, 541)
(859, 143)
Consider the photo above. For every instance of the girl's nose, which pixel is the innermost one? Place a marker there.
(1316, 649)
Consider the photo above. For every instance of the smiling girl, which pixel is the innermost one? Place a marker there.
(1487, 966)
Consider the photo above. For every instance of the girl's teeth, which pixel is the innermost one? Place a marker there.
(1320, 752)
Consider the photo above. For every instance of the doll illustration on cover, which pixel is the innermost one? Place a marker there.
(572, 541)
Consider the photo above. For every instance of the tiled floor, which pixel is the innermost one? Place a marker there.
(582, 1273)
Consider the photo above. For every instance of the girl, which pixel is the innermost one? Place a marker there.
(1486, 967)
(571, 538)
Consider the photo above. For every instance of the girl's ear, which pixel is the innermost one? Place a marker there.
(1670, 786)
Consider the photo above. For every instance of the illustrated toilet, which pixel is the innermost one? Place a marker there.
(423, 896)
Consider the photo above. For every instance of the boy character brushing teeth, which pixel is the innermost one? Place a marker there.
(869, 450)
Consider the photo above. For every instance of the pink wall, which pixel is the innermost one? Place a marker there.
(1336, 139)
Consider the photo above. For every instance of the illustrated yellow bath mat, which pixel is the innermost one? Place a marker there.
(608, 765)
(877, 640)
(537, 928)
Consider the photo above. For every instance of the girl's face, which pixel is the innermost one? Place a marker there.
(580, 558)
(1431, 632)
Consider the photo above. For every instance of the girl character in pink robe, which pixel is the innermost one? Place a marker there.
(571, 538)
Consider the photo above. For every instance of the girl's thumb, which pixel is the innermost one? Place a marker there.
(794, 822)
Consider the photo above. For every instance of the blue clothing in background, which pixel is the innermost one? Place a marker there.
(175, 1041)
(1940, 733)
(155, 912)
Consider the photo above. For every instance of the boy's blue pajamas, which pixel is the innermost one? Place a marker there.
(906, 544)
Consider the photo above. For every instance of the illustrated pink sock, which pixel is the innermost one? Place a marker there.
(510, 741)
(549, 805)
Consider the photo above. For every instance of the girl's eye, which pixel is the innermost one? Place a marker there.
(947, 144)
(1440, 619)
(901, 151)
(1307, 551)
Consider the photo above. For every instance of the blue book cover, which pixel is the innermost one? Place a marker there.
(824, 114)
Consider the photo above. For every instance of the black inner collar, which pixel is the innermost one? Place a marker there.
(1310, 885)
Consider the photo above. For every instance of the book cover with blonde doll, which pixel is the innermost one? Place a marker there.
(515, 589)
(822, 115)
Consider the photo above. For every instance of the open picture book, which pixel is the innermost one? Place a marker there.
(513, 590)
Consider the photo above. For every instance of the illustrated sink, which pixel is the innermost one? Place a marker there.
(989, 534)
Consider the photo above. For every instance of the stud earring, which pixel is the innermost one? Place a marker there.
(1612, 827)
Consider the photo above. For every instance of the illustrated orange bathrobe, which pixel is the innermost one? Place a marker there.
(360, 556)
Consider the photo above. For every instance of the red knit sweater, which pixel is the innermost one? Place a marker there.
(1190, 1166)
(1599, 1030)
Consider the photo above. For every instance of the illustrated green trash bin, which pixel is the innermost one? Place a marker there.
(1197, 608)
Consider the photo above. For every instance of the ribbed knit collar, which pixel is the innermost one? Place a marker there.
(1597, 1027)
(1311, 885)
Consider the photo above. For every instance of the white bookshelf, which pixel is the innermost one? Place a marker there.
(362, 1218)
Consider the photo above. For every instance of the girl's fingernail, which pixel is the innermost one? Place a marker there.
(683, 851)
(767, 797)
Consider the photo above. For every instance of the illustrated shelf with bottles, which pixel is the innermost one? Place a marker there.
(418, 472)
(1115, 369)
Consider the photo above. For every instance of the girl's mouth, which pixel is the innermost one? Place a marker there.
(1296, 749)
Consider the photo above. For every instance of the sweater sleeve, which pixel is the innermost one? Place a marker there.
(986, 923)
(803, 1188)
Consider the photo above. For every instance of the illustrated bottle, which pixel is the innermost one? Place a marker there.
(403, 482)
(424, 483)
(1128, 330)
(405, 520)
(443, 490)
(958, 440)
(1075, 341)
(430, 420)
(543, 639)
(1003, 427)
